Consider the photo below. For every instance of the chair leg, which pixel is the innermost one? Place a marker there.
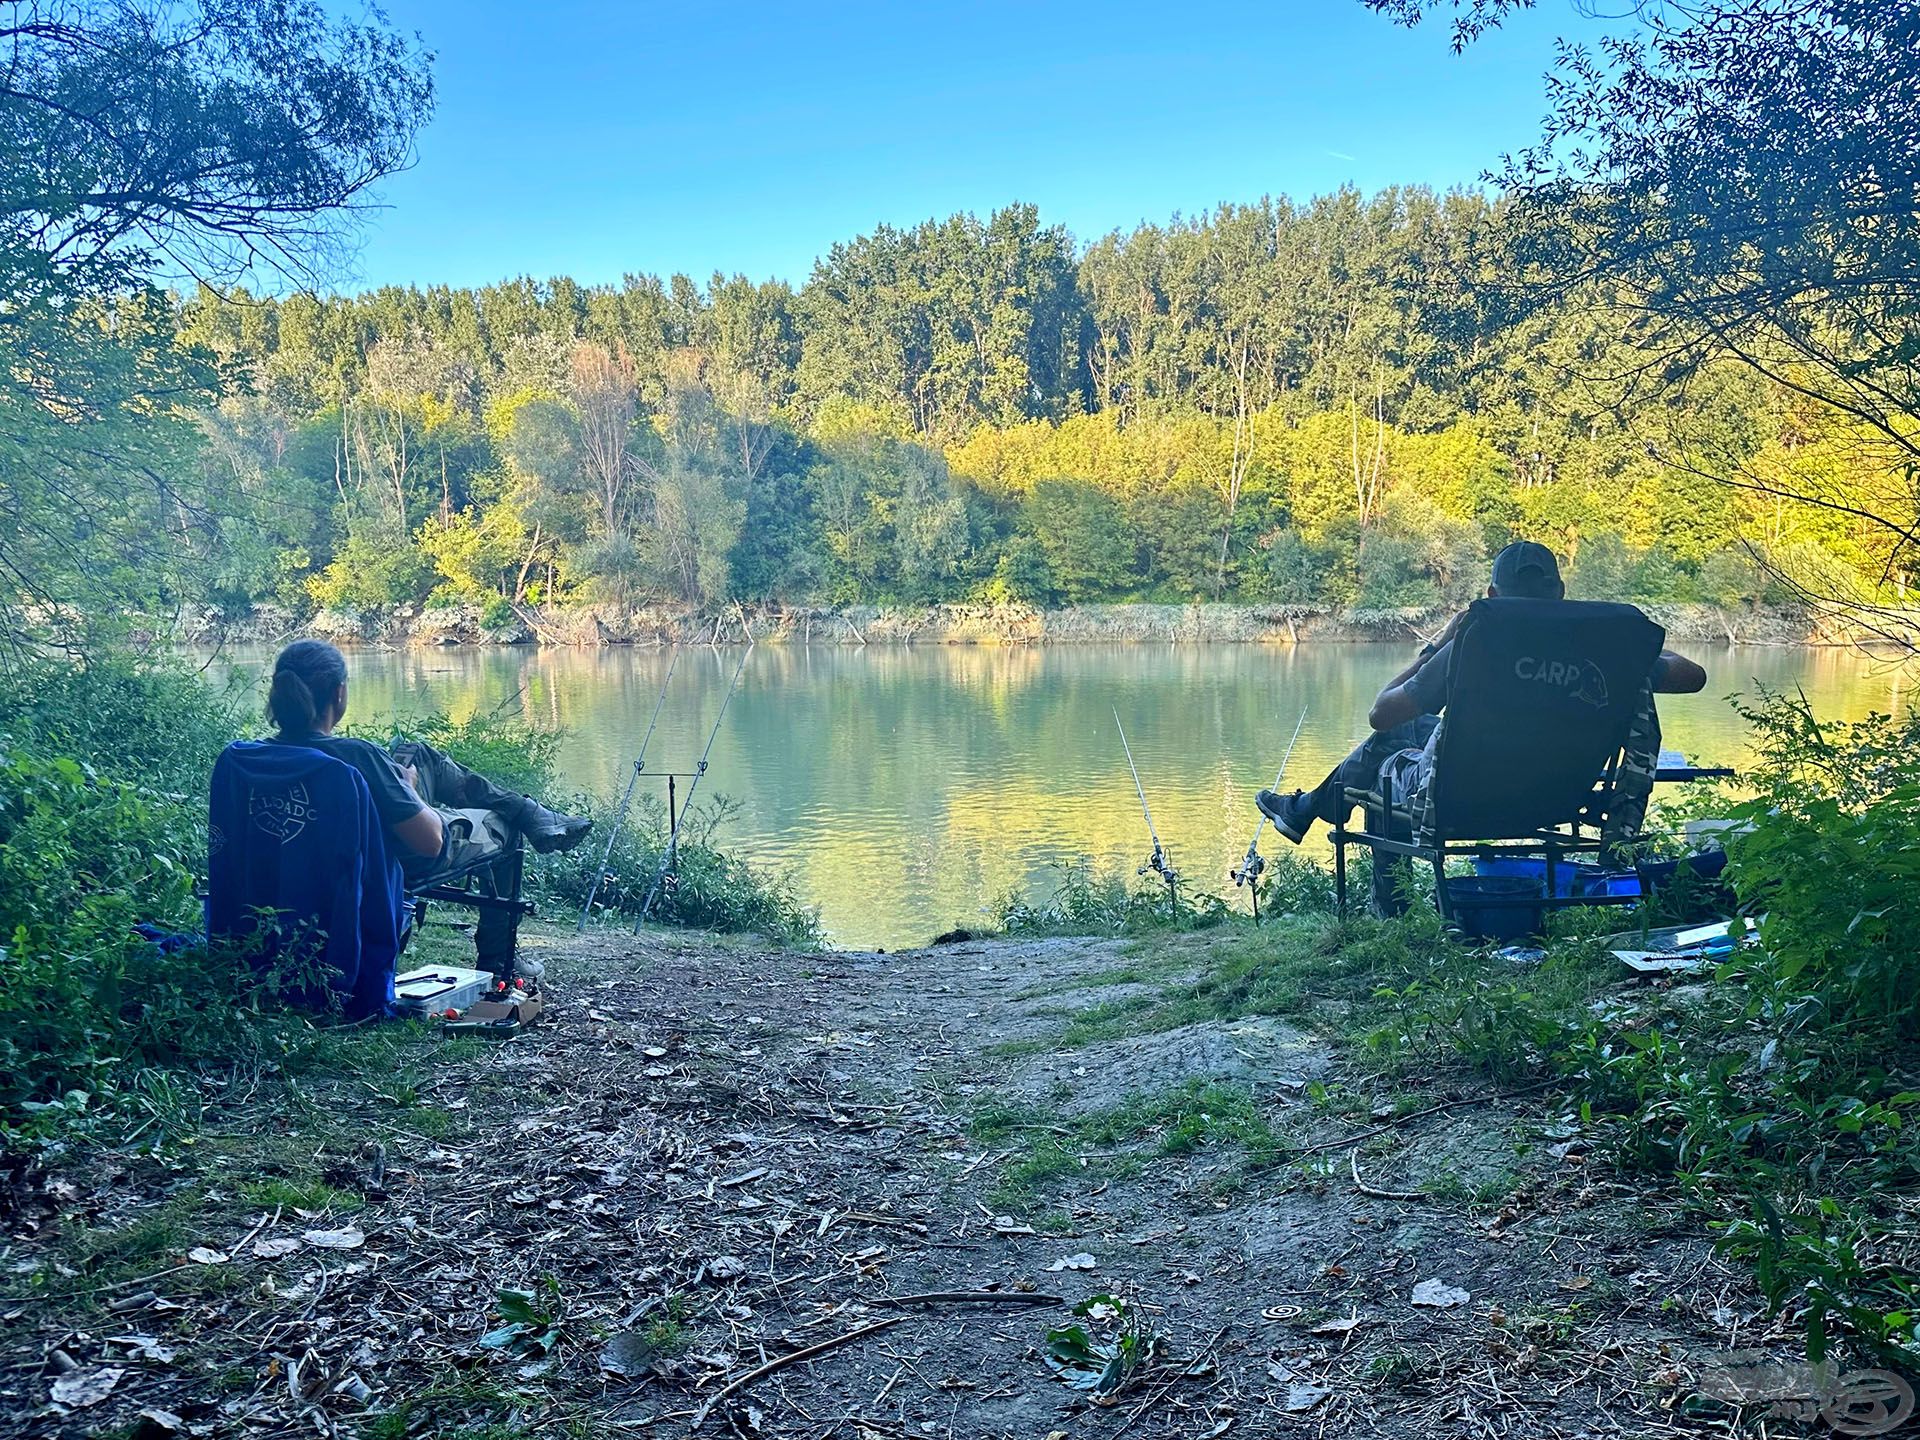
(1389, 897)
(515, 869)
(1340, 871)
(1389, 870)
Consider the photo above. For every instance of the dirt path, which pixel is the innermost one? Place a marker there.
(711, 1157)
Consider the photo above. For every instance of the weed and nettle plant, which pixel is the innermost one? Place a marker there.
(704, 888)
(1779, 1096)
(104, 769)
(1793, 1117)
(1086, 901)
(103, 776)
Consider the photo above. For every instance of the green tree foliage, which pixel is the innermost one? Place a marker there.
(1090, 550)
(1147, 422)
(200, 138)
(1330, 403)
(948, 324)
(1342, 401)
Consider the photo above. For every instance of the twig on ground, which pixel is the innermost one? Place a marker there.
(735, 1386)
(1157, 1396)
(861, 1217)
(1353, 1163)
(1347, 1142)
(962, 1297)
(264, 1221)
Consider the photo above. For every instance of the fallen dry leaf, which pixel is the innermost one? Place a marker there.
(1304, 1397)
(82, 1388)
(1337, 1327)
(1438, 1295)
(143, 1347)
(348, 1238)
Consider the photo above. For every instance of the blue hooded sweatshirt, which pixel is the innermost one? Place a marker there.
(293, 831)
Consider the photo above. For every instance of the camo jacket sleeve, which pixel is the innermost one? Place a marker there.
(1633, 786)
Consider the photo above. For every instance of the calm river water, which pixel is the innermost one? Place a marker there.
(903, 788)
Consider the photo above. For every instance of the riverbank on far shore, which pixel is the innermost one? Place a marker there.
(600, 625)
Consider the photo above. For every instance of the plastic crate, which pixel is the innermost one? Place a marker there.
(1598, 882)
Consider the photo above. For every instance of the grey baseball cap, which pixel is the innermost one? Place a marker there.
(1527, 568)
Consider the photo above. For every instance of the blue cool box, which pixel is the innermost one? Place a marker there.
(1570, 879)
(1496, 922)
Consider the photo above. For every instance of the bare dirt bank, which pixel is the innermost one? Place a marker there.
(847, 1195)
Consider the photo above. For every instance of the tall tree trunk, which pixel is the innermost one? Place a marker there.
(520, 580)
(1367, 475)
(1242, 459)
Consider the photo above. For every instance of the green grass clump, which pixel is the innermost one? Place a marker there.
(1048, 1145)
(1086, 902)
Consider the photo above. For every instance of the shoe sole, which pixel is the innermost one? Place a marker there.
(1283, 825)
(557, 844)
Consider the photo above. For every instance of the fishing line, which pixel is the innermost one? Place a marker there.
(1158, 861)
(1252, 866)
(620, 815)
(686, 806)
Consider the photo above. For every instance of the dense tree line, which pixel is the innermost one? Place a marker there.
(1320, 404)
(1341, 403)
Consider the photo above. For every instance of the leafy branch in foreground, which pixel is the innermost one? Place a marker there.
(210, 139)
(1788, 248)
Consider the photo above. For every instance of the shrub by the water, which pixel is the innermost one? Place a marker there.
(1085, 901)
(1089, 902)
(706, 888)
(103, 775)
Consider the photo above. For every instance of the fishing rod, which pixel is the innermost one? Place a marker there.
(1158, 862)
(1253, 866)
(686, 806)
(626, 797)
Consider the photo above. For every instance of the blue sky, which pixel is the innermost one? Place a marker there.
(596, 140)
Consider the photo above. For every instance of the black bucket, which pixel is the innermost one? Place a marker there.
(1496, 922)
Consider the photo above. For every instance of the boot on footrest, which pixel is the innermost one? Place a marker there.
(548, 831)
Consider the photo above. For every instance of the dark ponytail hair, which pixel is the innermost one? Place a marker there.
(306, 677)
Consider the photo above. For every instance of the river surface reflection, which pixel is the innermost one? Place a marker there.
(903, 788)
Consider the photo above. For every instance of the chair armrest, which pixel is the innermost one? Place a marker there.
(1673, 774)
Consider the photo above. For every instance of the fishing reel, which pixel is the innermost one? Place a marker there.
(1160, 865)
(1249, 870)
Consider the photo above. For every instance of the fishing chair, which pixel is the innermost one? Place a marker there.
(478, 888)
(295, 845)
(1528, 757)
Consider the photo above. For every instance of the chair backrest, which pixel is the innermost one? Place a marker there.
(294, 846)
(1541, 696)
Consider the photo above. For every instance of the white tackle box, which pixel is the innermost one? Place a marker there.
(433, 989)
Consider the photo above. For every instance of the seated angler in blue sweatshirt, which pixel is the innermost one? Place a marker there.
(293, 846)
(439, 817)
